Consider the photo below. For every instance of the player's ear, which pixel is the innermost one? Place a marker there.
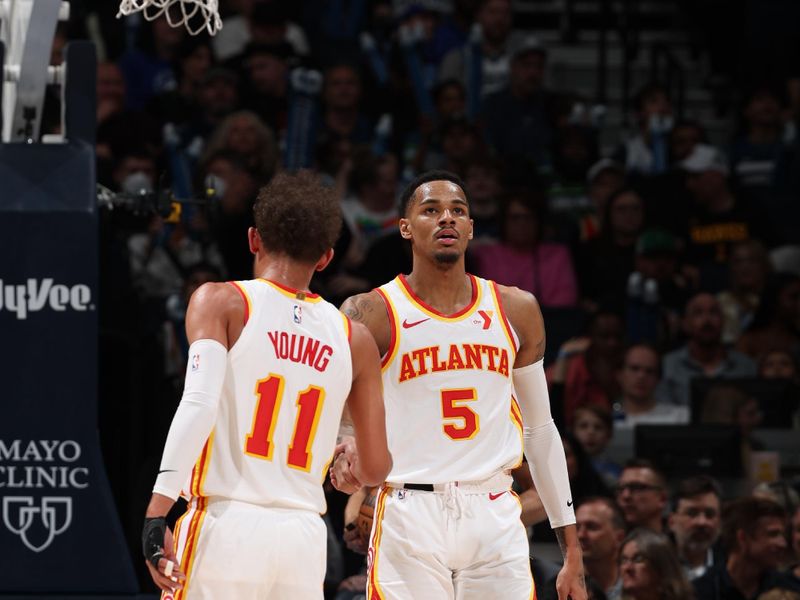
(324, 260)
(471, 229)
(253, 240)
(405, 229)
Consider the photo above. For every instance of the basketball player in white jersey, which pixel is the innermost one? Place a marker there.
(270, 367)
(465, 392)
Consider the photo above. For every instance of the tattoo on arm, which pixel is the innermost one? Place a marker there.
(356, 309)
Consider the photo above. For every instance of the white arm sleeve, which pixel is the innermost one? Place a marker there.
(543, 446)
(195, 417)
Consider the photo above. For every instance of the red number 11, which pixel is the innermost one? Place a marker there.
(259, 442)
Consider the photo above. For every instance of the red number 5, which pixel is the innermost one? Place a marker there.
(451, 409)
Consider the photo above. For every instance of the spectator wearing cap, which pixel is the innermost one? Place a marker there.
(717, 218)
(523, 259)
(657, 261)
(519, 119)
(495, 20)
(638, 378)
(703, 354)
(754, 538)
(261, 21)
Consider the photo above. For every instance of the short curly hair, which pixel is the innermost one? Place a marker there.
(297, 215)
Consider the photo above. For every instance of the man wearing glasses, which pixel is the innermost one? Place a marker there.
(642, 495)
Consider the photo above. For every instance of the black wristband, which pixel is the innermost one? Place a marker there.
(153, 539)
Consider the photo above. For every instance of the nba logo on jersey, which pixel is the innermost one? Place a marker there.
(297, 314)
(195, 362)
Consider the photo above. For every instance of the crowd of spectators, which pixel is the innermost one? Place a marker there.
(657, 262)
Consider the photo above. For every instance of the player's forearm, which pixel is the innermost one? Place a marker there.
(567, 537)
(159, 506)
(533, 511)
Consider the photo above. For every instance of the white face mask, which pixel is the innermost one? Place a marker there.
(137, 182)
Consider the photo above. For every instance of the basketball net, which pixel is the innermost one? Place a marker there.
(204, 14)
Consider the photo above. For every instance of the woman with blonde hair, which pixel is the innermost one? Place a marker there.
(650, 568)
(246, 135)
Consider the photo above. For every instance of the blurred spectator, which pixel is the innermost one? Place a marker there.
(795, 542)
(236, 188)
(638, 379)
(778, 364)
(781, 492)
(657, 260)
(776, 324)
(263, 22)
(246, 136)
(424, 147)
(461, 145)
(726, 404)
(695, 523)
(645, 153)
(586, 367)
(605, 262)
(218, 97)
(522, 259)
(605, 178)
(683, 139)
(135, 172)
(757, 151)
(192, 62)
(601, 529)
(110, 91)
(265, 89)
(642, 495)
(779, 594)
(650, 569)
(149, 68)
(342, 117)
(703, 355)
(372, 212)
(747, 274)
(592, 427)
(574, 151)
(754, 538)
(717, 218)
(519, 118)
(495, 20)
(483, 179)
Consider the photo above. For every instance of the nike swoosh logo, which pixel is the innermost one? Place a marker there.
(569, 503)
(407, 325)
(495, 496)
(168, 471)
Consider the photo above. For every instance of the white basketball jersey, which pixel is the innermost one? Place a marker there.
(447, 388)
(287, 379)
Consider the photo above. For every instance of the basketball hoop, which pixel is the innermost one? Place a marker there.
(204, 12)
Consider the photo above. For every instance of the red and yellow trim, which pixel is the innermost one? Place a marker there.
(200, 469)
(289, 292)
(504, 320)
(190, 548)
(348, 326)
(394, 327)
(516, 418)
(248, 305)
(432, 312)
(374, 591)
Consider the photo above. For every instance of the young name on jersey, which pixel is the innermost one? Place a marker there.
(301, 349)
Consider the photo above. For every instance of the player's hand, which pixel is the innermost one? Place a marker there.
(167, 575)
(570, 583)
(342, 476)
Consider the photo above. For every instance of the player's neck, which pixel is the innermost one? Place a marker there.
(446, 290)
(283, 270)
